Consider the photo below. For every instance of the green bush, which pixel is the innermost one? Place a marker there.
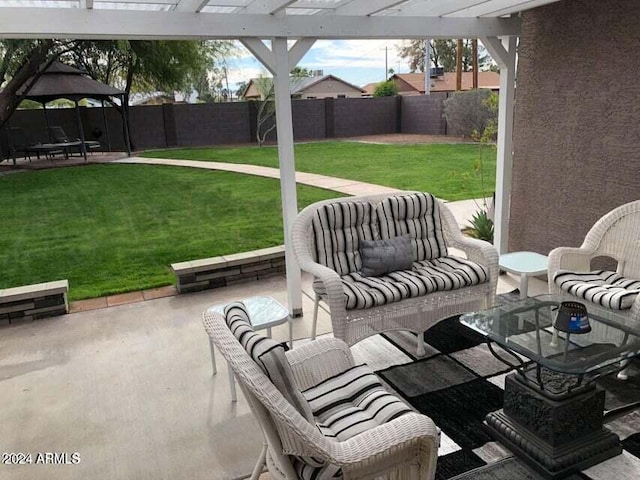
(388, 88)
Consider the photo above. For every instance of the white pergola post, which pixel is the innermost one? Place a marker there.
(504, 52)
(279, 61)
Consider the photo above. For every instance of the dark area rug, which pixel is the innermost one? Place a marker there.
(458, 382)
(508, 469)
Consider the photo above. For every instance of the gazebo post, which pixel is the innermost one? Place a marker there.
(83, 147)
(125, 123)
(46, 120)
(106, 125)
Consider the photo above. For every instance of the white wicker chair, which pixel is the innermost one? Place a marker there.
(413, 314)
(403, 449)
(616, 235)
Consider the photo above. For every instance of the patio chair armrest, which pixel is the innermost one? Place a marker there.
(333, 289)
(569, 258)
(383, 445)
(318, 360)
(476, 250)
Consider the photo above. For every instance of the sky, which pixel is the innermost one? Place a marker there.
(356, 61)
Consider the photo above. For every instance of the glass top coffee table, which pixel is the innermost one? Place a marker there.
(552, 415)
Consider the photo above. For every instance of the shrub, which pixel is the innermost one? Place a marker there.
(388, 88)
(481, 226)
(470, 113)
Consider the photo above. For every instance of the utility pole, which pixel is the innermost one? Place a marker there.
(427, 66)
(474, 47)
(386, 61)
(459, 66)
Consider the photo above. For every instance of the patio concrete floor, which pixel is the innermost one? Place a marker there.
(130, 388)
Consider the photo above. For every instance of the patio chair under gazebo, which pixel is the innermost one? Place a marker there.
(63, 81)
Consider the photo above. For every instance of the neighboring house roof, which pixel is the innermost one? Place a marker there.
(369, 88)
(300, 84)
(446, 83)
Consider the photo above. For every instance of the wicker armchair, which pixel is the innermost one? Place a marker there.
(402, 449)
(416, 314)
(616, 235)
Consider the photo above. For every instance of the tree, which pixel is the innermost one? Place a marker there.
(388, 88)
(301, 72)
(266, 118)
(136, 65)
(443, 54)
(19, 63)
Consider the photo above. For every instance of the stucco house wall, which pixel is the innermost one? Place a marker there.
(332, 88)
(577, 120)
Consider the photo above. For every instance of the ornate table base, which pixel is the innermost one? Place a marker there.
(556, 437)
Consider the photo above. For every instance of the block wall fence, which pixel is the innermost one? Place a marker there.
(187, 125)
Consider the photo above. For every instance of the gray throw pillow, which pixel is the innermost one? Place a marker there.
(384, 256)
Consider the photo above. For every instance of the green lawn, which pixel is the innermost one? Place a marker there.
(117, 228)
(448, 171)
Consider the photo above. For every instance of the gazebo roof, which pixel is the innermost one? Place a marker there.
(335, 19)
(62, 81)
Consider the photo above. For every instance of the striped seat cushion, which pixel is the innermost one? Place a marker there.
(345, 405)
(337, 231)
(605, 288)
(451, 273)
(427, 276)
(268, 354)
(418, 215)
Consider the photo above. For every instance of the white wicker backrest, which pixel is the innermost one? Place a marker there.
(617, 235)
(296, 435)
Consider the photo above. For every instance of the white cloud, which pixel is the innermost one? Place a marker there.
(358, 60)
(330, 54)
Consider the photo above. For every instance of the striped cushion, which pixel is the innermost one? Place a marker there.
(337, 231)
(428, 276)
(352, 402)
(605, 288)
(268, 354)
(367, 292)
(345, 405)
(450, 273)
(418, 215)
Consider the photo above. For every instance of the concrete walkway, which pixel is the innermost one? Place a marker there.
(462, 210)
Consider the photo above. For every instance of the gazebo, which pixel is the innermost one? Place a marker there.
(63, 81)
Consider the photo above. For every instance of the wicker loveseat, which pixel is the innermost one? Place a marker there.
(322, 416)
(326, 238)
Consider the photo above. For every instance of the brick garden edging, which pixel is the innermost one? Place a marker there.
(227, 270)
(31, 302)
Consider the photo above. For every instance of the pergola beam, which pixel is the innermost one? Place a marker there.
(110, 24)
(191, 6)
(498, 7)
(505, 55)
(269, 7)
(262, 53)
(366, 7)
(279, 60)
(433, 9)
